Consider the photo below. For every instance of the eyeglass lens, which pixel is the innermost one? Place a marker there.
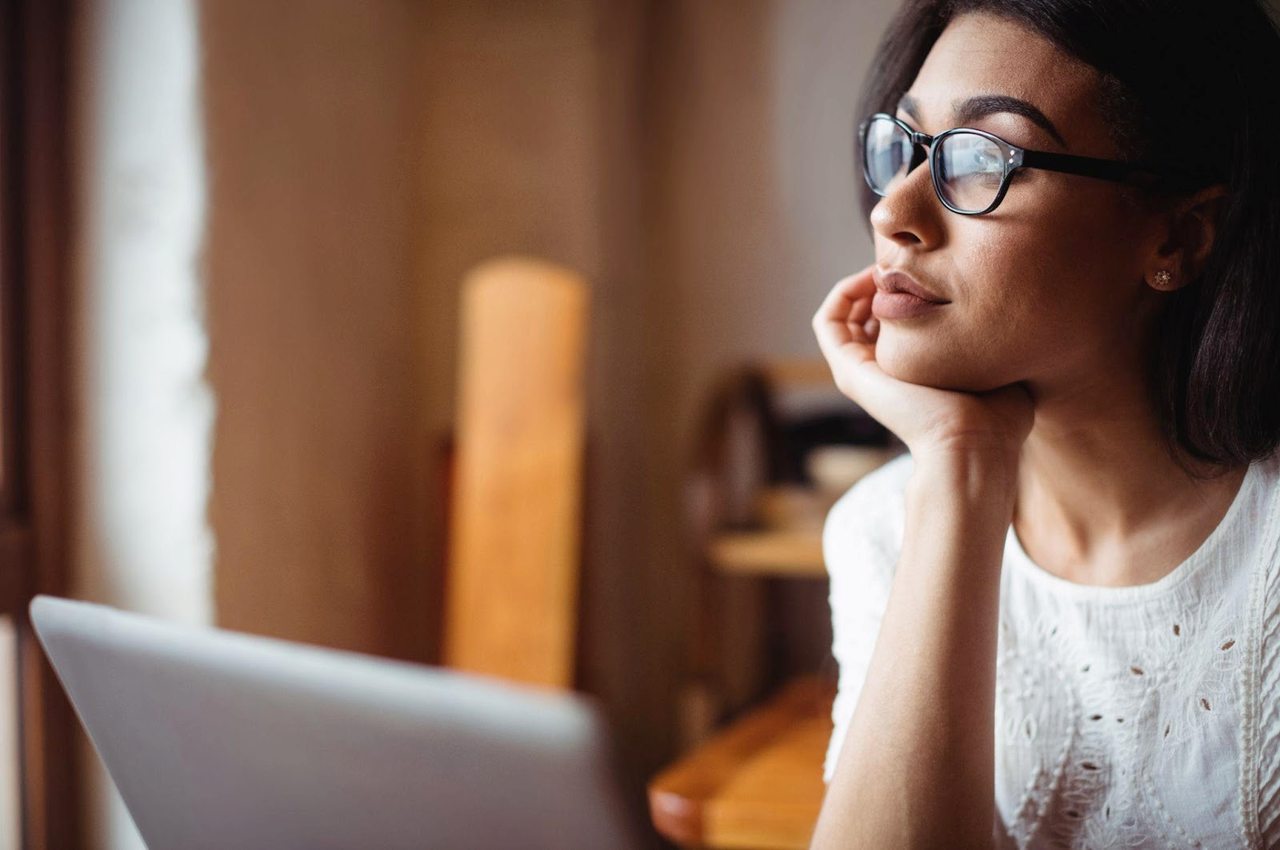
(970, 166)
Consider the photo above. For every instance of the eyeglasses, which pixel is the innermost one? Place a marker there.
(971, 168)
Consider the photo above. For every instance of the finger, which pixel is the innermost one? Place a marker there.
(845, 346)
(861, 310)
(847, 333)
(837, 323)
(838, 304)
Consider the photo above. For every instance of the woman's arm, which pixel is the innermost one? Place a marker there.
(916, 768)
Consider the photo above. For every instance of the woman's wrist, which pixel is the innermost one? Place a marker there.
(982, 478)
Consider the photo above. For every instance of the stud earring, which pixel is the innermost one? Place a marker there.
(1162, 279)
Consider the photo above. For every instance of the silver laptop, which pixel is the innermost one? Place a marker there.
(218, 739)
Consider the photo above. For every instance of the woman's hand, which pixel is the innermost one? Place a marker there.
(926, 418)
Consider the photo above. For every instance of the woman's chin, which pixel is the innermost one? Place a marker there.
(903, 357)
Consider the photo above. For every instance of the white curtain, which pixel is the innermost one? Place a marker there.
(143, 411)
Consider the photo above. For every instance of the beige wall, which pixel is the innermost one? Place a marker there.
(535, 141)
(320, 498)
(362, 158)
(364, 155)
(752, 220)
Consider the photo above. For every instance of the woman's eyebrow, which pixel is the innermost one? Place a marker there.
(978, 106)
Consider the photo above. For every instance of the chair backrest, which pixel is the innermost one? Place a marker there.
(512, 578)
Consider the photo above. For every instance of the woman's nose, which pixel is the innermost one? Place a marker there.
(910, 213)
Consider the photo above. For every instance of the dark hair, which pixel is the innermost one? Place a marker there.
(1183, 82)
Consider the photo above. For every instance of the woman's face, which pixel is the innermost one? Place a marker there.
(1049, 287)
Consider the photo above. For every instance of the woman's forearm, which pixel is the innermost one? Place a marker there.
(916, 769)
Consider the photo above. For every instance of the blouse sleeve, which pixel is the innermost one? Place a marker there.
(860, 552)
(1269, 713)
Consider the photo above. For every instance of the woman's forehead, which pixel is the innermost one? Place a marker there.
(985, 65)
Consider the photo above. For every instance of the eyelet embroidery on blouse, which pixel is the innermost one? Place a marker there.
(1073, 725)
(1051, 741)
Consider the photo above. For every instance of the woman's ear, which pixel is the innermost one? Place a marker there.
(1194, 227)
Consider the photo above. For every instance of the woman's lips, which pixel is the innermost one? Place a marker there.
(897, 280)
(901, 305)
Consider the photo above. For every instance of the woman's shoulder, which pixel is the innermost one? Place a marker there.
(1269, 467)
(1262, 509)
(867, 520)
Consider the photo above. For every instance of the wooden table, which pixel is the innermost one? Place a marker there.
(780, 553)
(756, 785)
(788, 541)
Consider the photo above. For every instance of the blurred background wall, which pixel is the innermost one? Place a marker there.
(353, 160)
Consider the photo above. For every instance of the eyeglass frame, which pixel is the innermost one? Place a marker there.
(1016, 157)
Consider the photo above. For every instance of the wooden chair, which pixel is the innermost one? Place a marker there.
(515, 470)
(755, 782)
(514, 480)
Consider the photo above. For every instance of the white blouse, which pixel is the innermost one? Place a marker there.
(1143, 716)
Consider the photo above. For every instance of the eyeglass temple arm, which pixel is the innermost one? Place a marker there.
(1105, 169)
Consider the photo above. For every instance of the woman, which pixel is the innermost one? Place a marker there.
(1057, 617)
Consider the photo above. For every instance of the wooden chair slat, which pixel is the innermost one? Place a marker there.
(515, 529)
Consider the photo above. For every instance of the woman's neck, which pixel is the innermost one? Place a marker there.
(1100, 500)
